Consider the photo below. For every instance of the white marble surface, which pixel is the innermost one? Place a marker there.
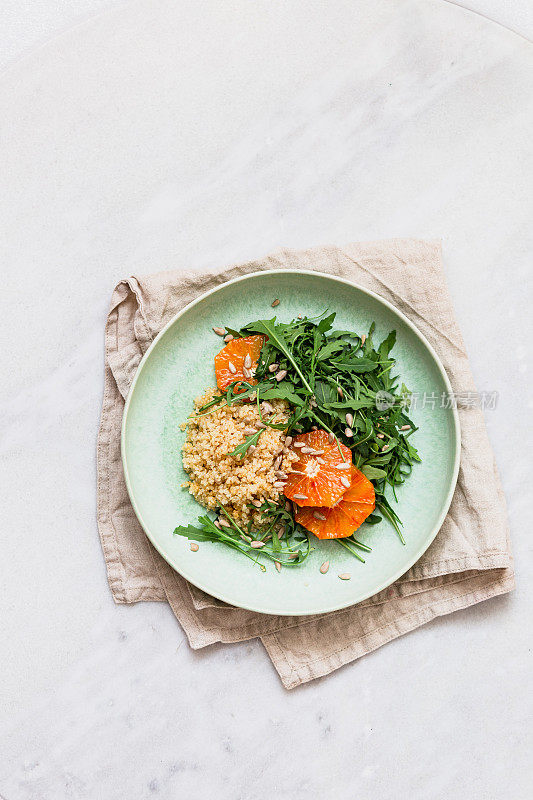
(157, 135)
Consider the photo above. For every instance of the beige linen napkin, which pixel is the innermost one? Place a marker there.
(469, 561)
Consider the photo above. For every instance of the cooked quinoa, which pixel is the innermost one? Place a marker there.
(218, 479)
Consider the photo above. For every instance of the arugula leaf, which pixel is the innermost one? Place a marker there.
(242, 449)
(357, 365)
(373, 473)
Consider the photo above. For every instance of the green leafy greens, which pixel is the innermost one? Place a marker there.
(330, 374)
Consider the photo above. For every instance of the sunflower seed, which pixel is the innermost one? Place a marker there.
(324, 568)
(318, 515)
(344, 465)
(300, 497)
(248, 361)
(363, 338)
(246, 372)
(340, 392)
(273, 368)
(246, 538)
(313, 404)
(300, 316)
(345, 482)
(299, 444)
(320, 460)
(281, 475)
(288, 506)
(279, 484)
(277, 462)
(253, 397)
(384, 448)
(405, 428)
(266, 408)
(293, 555)
(257, 544)
(252, 448)
(288, 441)
(381, 435)
(318, 452)
(224, 523)
(349, 419)
(307, 450)
(232, 368)
(331, 438)
(249, 431)
(277, 565)
(257, 503)
(281, 374)
(314, 428)
(275, 303)
(219, 331)
(260, 425)
(216, 523)
(348, 432)
(228, 337)
(194, 547)
(345, 576)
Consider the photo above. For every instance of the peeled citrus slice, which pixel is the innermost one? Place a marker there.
(319, 477)
(346, 516)
(231, 364)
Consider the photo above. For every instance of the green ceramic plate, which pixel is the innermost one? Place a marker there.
(177, 368)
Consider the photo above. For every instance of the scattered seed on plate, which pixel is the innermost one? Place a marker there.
(384, 448)
(281, 374)
(363, 338)
(194, 547)
(219, 331)
(232, 368)
(216, 523)
(405, 428)
(348, 432)
(318, 515)
(345, 482)
(320, 460)
(279, 484)
(344, 465)
(300, 497)
(345, 576)
(331, 438)
(281, 475)
(228, 337)
(224, 522)
(246, 372)
(381, 435)
(275, 303)
(300, 316)
(257, 503)
(349, 420)
(277, 565)
(288, 441)
(299, 444)
(324, 568)
(248, 361)
(307, 450)
(257, 545)
(249, 431)
(273, 368)
(340, 392)
(266, 408)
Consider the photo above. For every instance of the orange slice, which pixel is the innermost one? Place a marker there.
(346, 516)
(230, 362)
(315, 479)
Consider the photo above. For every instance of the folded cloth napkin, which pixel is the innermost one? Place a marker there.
(470, 559)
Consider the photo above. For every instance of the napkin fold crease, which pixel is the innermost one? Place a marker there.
(470, 559)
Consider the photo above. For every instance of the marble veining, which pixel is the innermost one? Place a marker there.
(190, 135)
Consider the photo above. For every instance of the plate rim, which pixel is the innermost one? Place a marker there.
(455, 415)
